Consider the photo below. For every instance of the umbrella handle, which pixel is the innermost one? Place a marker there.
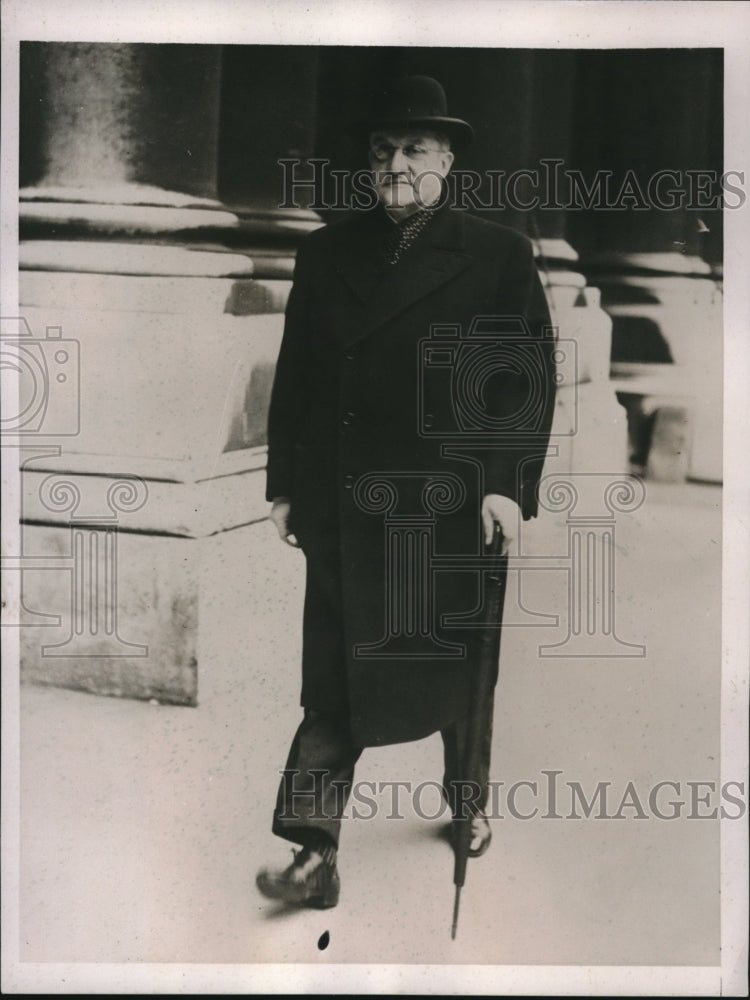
(496, 552)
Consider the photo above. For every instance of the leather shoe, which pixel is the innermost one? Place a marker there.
(312, 879)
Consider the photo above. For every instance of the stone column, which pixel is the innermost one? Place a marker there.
(97, 117)
(659, 267)
(523, 105)
(151, 315)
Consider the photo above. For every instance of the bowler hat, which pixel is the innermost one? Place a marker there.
(415, 102)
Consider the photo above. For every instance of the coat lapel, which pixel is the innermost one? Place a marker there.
(386, 291)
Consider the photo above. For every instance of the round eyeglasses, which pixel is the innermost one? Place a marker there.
(413, 151)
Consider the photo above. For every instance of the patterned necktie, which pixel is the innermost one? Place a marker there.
(404, 234)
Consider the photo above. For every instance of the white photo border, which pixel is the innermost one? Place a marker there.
(549, 24)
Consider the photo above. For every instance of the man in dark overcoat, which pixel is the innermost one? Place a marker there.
(411, 331)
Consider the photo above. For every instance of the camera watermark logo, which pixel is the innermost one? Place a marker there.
(47, 372)
(43, 402)
(496, 379)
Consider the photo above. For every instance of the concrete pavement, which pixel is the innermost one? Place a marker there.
(142, 825)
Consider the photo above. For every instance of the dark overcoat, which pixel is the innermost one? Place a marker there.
(402, 395)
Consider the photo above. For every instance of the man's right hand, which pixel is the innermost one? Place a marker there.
(280, 513)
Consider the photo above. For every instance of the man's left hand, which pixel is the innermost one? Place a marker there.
(501, 510)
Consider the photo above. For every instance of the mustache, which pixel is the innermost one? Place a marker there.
(391, 176)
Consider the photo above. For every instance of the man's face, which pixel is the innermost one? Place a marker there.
(408, 168)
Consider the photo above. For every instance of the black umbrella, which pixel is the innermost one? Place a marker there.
(482, 693)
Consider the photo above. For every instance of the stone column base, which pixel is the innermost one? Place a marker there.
(113, 614)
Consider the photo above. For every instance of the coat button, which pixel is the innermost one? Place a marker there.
(347, 418)
(349, 356)
(348, 482)
(429, 420)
